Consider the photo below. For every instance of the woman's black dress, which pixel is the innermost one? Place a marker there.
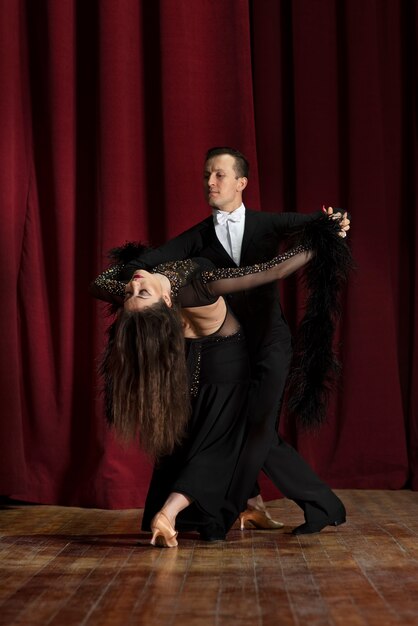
(203, 465)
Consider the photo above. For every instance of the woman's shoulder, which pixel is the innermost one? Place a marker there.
(183, 273)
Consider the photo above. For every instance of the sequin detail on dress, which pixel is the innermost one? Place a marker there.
(195, 356)
(177, 272)
(109, 282)
(195, 377)
(235, 272)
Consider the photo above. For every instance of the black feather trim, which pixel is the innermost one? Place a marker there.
(126, 253)
(315, 366)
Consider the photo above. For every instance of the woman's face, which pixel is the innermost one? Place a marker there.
(143, 290)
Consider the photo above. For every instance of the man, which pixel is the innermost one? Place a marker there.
(234, 235)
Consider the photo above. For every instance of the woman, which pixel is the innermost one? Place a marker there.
(146, 374)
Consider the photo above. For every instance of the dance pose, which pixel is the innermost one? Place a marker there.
(236, 236)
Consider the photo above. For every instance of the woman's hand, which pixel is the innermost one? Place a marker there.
(342, 217)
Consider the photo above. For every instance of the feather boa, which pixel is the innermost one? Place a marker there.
(315, 366)
(126, 253)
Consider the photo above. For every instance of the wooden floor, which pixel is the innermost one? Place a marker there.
(62, 566)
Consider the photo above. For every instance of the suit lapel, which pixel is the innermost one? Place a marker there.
(220, 255)
(210, 240)
(249, 229)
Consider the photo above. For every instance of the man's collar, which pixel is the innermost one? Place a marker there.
(237, 213)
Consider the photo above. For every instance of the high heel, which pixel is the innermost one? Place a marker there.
(259, 519)
(163, 534)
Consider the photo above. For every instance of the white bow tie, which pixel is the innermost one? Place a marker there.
(222, 217)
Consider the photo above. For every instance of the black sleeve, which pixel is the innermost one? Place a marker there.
(108, 286)
(286, 223)
(184, 246)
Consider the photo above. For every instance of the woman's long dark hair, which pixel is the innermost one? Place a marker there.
(146, 382)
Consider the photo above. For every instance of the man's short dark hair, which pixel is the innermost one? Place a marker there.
(241, 167)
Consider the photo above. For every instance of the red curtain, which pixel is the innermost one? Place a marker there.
(106, 110)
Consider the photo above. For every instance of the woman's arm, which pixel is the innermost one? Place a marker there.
(108, 287)
(317, 237)
(229, 280)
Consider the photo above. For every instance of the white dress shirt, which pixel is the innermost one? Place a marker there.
(229, 229)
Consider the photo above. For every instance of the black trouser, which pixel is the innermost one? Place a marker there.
(265, 449)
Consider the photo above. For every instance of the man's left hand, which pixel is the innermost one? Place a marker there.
(342, 217)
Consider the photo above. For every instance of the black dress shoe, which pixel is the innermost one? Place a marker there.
(308, 528)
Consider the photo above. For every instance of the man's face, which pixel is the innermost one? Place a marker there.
(222, 186)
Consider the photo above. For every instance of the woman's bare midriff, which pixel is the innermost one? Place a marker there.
(203, 321)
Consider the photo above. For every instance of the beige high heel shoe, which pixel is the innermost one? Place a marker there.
(259, 519)
(163, 534)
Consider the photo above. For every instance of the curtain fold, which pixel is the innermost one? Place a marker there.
(15, 177)
(106, 111)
